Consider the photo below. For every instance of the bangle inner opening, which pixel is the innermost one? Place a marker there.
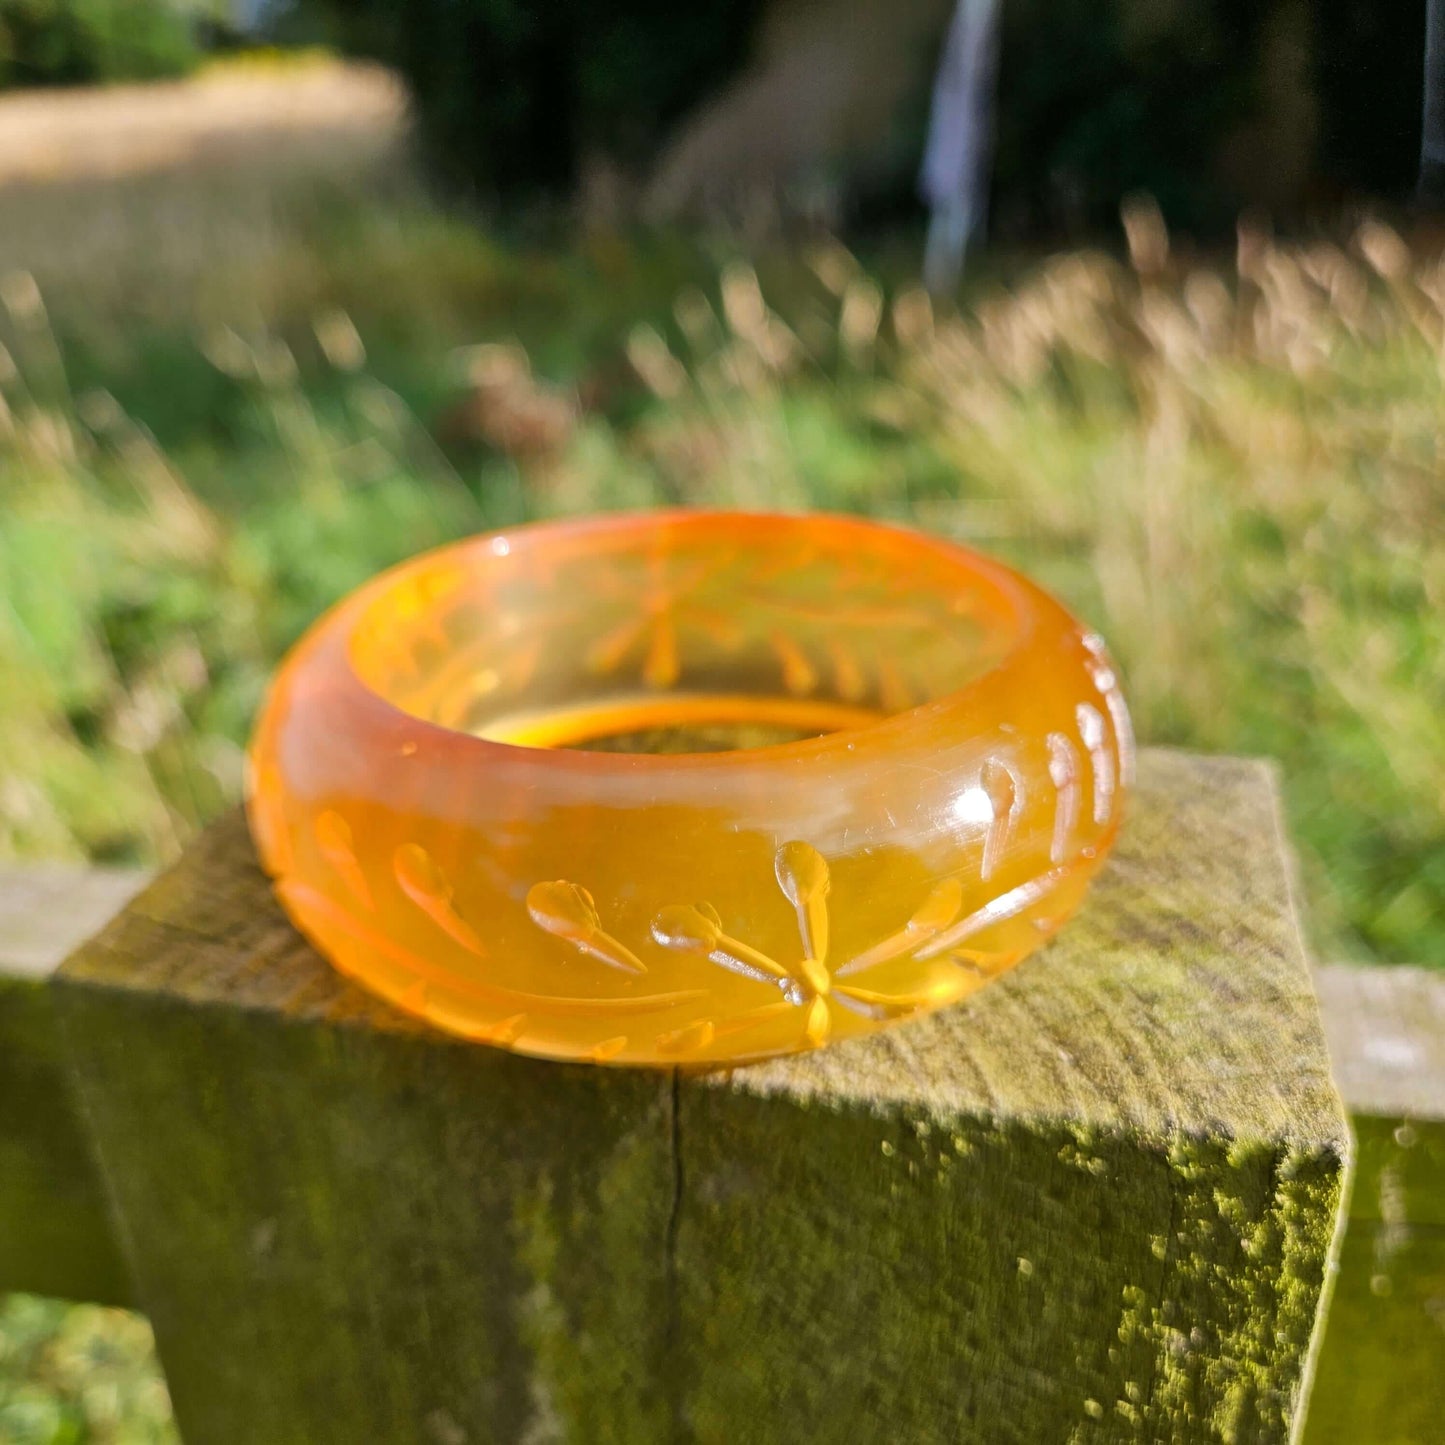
(676, 638)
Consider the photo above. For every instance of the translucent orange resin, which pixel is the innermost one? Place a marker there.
(901, 764)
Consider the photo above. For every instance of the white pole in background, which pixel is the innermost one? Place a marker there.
(1432, 138)
(954, 179)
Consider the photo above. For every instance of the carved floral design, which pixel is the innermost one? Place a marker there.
(1106, 683)
(812, 984)
(668, 605)
(429, 889)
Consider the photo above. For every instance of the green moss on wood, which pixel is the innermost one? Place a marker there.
(595, 1303)
(1094, 1204)
(55, 1233)
(1379, 1377)
(1057, 1283)
(341, 1234)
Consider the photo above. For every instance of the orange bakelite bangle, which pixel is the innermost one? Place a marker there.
(435, 789)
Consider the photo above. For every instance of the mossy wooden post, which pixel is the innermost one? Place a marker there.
(1097, 1203)
(55, 1234)
(1380, 1376)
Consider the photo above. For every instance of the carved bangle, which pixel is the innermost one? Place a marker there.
(462, 787)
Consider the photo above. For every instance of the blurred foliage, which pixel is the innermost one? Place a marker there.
(78, 1375)
(1296, 104)
(73, 42)
(1293, 105)
(513, 97)
(1096, 102)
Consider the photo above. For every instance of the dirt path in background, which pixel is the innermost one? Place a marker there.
(224, 115)
(154, 197)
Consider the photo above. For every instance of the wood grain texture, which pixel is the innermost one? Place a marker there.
(1096, 1203)
(55, 1233)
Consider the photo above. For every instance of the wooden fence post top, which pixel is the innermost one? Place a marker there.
(1178, 1000)
(1103, 1190)
(55, 1237)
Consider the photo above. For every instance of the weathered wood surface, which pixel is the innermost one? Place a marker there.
(1095, 1203)
(55, 1234)
(48, 910)
(1386, 1034)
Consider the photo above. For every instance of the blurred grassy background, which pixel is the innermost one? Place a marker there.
(245, 362)
(246, 370)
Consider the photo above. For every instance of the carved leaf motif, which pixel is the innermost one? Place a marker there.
(1005, 796)
(819, 1023)
(802, 874)
(507, 1031)
(689, 927)
(936, 912)
(419, 878)
(697, 928)
(690, 1040)
(1106, 682)
(312, 903)
(848, 676)
(669, 605)
(939, 909)
(606, 654)
(564, 909)
(894, 1003)
(1064, 773)
(662, 666)
(568, 910)
(799, 675)
(933, 931)
(996, 910)
(893, 691)
(1091, 733)
(334, 839)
